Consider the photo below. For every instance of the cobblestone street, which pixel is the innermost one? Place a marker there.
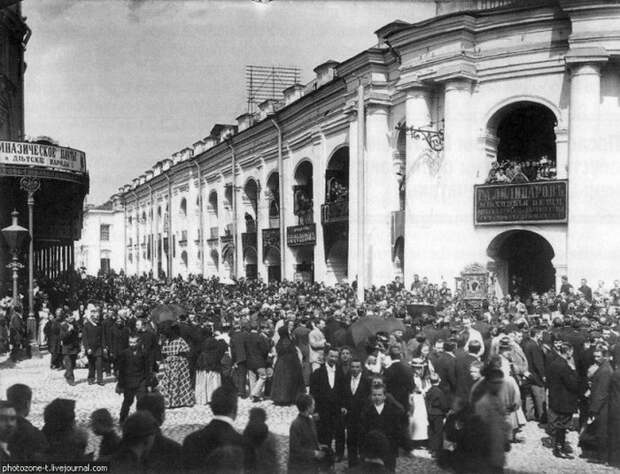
(529, 456)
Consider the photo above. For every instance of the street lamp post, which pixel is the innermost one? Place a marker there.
(31, 186)
(15, 235)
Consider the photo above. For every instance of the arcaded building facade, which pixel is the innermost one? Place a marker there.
(487, 136)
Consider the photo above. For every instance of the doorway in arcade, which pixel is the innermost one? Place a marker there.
(523, 263)
(304, 266)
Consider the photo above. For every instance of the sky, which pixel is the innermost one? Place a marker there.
(130, 82)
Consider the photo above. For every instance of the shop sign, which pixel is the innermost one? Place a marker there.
(42, 156)
(528, 203)
(299, 235)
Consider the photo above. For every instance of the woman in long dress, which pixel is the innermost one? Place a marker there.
(44, 314)
(418, 417)
(209, 367)
(175, 385)
(288, 380)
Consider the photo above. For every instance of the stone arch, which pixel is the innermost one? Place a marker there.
(522, 262)
(523, 131)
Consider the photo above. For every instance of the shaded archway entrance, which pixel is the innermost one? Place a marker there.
(250, 262)
(335, 215)
(522, 138)
(523, 262)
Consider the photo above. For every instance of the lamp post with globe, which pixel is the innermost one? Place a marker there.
(15, 237)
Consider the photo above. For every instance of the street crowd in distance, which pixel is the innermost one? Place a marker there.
(407, 369)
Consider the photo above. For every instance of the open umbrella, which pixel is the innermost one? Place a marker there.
(368, 326)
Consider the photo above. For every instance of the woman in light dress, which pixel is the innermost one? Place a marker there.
(418, 417)
(44, 314)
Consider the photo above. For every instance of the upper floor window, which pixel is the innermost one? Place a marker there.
(104, 232)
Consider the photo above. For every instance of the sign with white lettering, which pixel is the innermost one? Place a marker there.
(42, 156)
(299, 235)
(527, 203)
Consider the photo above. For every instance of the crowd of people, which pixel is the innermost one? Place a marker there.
(458, 380)
(522, 171)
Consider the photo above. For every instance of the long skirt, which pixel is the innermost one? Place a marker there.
(418, 421)
(214, 381)
(175, 383)
(201, 387)
(206, 383)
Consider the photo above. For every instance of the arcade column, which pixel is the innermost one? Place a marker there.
(418, 184)
(586, 249)
(457, 173)
(381, 196)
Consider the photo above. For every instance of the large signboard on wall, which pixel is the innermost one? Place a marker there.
(42, 156)
(527, 203)
(299, 235)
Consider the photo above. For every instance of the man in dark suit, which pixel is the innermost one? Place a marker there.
(257, 353)
(148, 340)
(133, 375)
(107, 323)
(17, 333)
(70, 339)
(355, 395)
(399, 378)
(535, 376)
(8, 425)
(304, 453)
(462, 365)
(446, 369)
(585, 290)
(387, 418)
(119, 341)
(326, 387)
(166, 454)
(198, 445)
(95, 346)
(52, 332)
(598, 410)
(239, 358)
(27, 443)
(564, 391)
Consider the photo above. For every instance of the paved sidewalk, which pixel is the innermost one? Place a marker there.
(529, 456)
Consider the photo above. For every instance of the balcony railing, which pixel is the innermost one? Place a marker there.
(335, 211)
(213, 233)
(525, 203)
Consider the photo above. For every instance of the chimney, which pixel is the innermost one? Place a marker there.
(245, 121)
(209, 142)
(186, 153)
(293, 93)
(266, 108)
(325, 72)
(198, 147)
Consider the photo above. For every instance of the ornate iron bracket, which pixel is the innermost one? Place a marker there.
(29, 184)
(434, 138)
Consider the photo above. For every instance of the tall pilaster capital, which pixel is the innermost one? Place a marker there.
(415, 88)
(582, 61)
(458, 84)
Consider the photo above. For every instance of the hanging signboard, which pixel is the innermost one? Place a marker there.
(42, 156)
(527, 203)
(299, 235)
